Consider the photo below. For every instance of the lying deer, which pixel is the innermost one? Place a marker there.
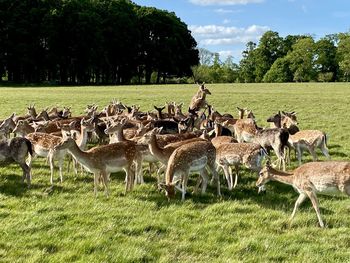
(331, 177)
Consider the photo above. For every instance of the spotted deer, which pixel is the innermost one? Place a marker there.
(310, 140)
(162, 154)
(105, 159)
(238, 154)
(43, 146)
(309, 179)
(198, 100)
(190, 157)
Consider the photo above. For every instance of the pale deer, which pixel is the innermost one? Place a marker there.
(116, 129)
(190, 157)
(43, 146)
(8, 125)
(198, 100)
(16, 150)
(330, 177)
(310, 140)
(237, 154)
(105, 159)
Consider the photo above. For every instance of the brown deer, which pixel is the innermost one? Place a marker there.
(105, 159)
(198, 100)
(237, 154)
(190, 157)
(331, 177)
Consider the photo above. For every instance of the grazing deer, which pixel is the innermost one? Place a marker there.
(198, 100)
(331, 177)
(190, 157)
(236, 154)
(16, 150)
(105, 159)
(310, 140)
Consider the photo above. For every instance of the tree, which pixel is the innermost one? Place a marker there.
(325, 62)
(301, 60)
(343, 55)
(279, 71)
(248, 63)
(205, 56)
(269, 49)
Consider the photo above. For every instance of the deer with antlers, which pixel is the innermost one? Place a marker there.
(331, 177)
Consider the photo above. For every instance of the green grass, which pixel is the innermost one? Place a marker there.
(68, 224)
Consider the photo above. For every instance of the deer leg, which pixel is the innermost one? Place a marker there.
(104, 177)
(96, 179)
(312, 152)
(236, 177)
(160, 171)
(298, 202)
(300, 153)
(26, 172)
(184, 186)
(205, 180)
(51, 161)
(325, 151)
(314, 202)
(215, 175)
(227, 173)
(60, 167)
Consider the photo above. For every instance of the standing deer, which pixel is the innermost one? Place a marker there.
(16, 150)
(190, 157)
(331, 177)
(105, 159)
(198, 100)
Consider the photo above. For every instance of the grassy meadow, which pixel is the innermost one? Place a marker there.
(68, 224)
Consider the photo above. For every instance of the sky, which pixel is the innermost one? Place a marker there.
(225, 26)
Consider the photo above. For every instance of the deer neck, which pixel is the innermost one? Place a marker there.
(282, 177)
(82, 140)
(78, 154)
(155, 149)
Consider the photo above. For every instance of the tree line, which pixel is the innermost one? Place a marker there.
(92, 42)
(297, 58)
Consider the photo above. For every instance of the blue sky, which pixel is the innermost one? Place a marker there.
(225, 26)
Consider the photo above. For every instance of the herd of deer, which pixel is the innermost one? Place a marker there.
(201, 140)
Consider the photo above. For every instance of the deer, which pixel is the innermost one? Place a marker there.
(8, 125)
(43, 146)
(16, 150)
(198, 100)
(190, 157)
(162, 154)
(310, 140)
(105, 159)
(309, 179)
(237, 154)
(116, 129)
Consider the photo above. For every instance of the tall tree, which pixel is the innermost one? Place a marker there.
(343, 55)
(248, 63)
(301, 59)
(325, 62)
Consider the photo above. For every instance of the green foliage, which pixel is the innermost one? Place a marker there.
(279, 71)
(66, 223)
(84, 42)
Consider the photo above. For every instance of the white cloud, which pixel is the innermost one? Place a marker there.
(224, 2)
(226, 21)
(227, 11)
(221, 35)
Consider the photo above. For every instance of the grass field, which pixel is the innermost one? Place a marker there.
(68, 224)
